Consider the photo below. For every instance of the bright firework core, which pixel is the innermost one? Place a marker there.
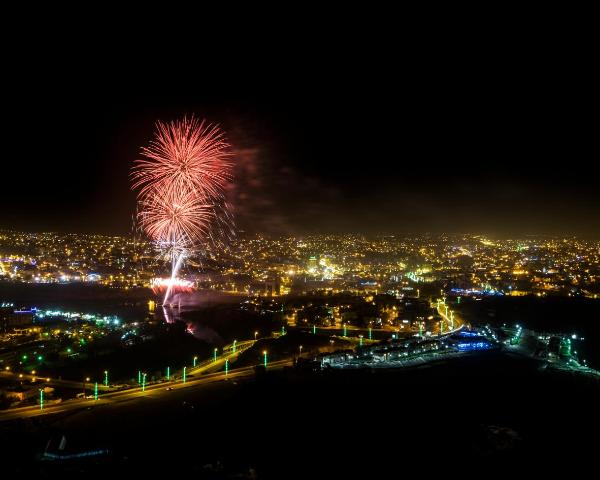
(177, 285)
(181, 183)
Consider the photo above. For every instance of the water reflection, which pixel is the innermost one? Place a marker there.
(187, 302)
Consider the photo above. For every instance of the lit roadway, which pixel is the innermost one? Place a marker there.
(135, 394)
(448, 322)
(130, 393)
(205, 366)
(54, 382)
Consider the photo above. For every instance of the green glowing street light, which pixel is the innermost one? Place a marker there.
(370, 333)
(345, 330)
(41, 398)
(234, 342)
(139, 377)
(282, 330)
(314, 329)
(226, 366)
(184, 377)
(96, 391)
(168, 373)
(360, 340)
(215, 355)
(106, 378)
(265, 358)
(143, 382)
(195, 360)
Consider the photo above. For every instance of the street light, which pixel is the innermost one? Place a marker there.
(265, 355)
(255, 334)
(300, 348)
(215, 354)
(86, 379)
(195, 360)
(106, 378)
(234, 342)
(143, 382)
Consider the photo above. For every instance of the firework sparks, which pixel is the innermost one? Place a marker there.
(159, 285)
(180, 183)
(188, 156)
(175, 219)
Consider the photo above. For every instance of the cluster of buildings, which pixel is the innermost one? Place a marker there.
(66, 258)
(267, 266)
(471, 264)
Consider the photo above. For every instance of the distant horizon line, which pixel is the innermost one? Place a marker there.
(338, 234)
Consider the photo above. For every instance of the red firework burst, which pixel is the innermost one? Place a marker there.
(181, 185)
(186, 155)
(175, 219)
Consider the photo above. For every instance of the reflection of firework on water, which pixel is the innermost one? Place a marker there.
(177, 285)
(181, 182)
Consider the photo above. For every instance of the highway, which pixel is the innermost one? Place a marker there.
(448, 322)
(151, 391)
(205, 366)
(53, 382)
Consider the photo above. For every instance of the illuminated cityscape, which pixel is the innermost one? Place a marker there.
(371, 256)
(275, 266)
(82, 317)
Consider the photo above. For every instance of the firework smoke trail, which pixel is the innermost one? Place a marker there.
(180, 184)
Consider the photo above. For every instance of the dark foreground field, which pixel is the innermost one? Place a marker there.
(469, 417)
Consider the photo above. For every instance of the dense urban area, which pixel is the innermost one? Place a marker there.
(83, 322)
(277, 266)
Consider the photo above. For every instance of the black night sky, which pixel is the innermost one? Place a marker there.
(485, 140)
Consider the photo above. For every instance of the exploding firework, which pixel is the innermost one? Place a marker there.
(175, 220)
(181, 183)
(186, 156)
